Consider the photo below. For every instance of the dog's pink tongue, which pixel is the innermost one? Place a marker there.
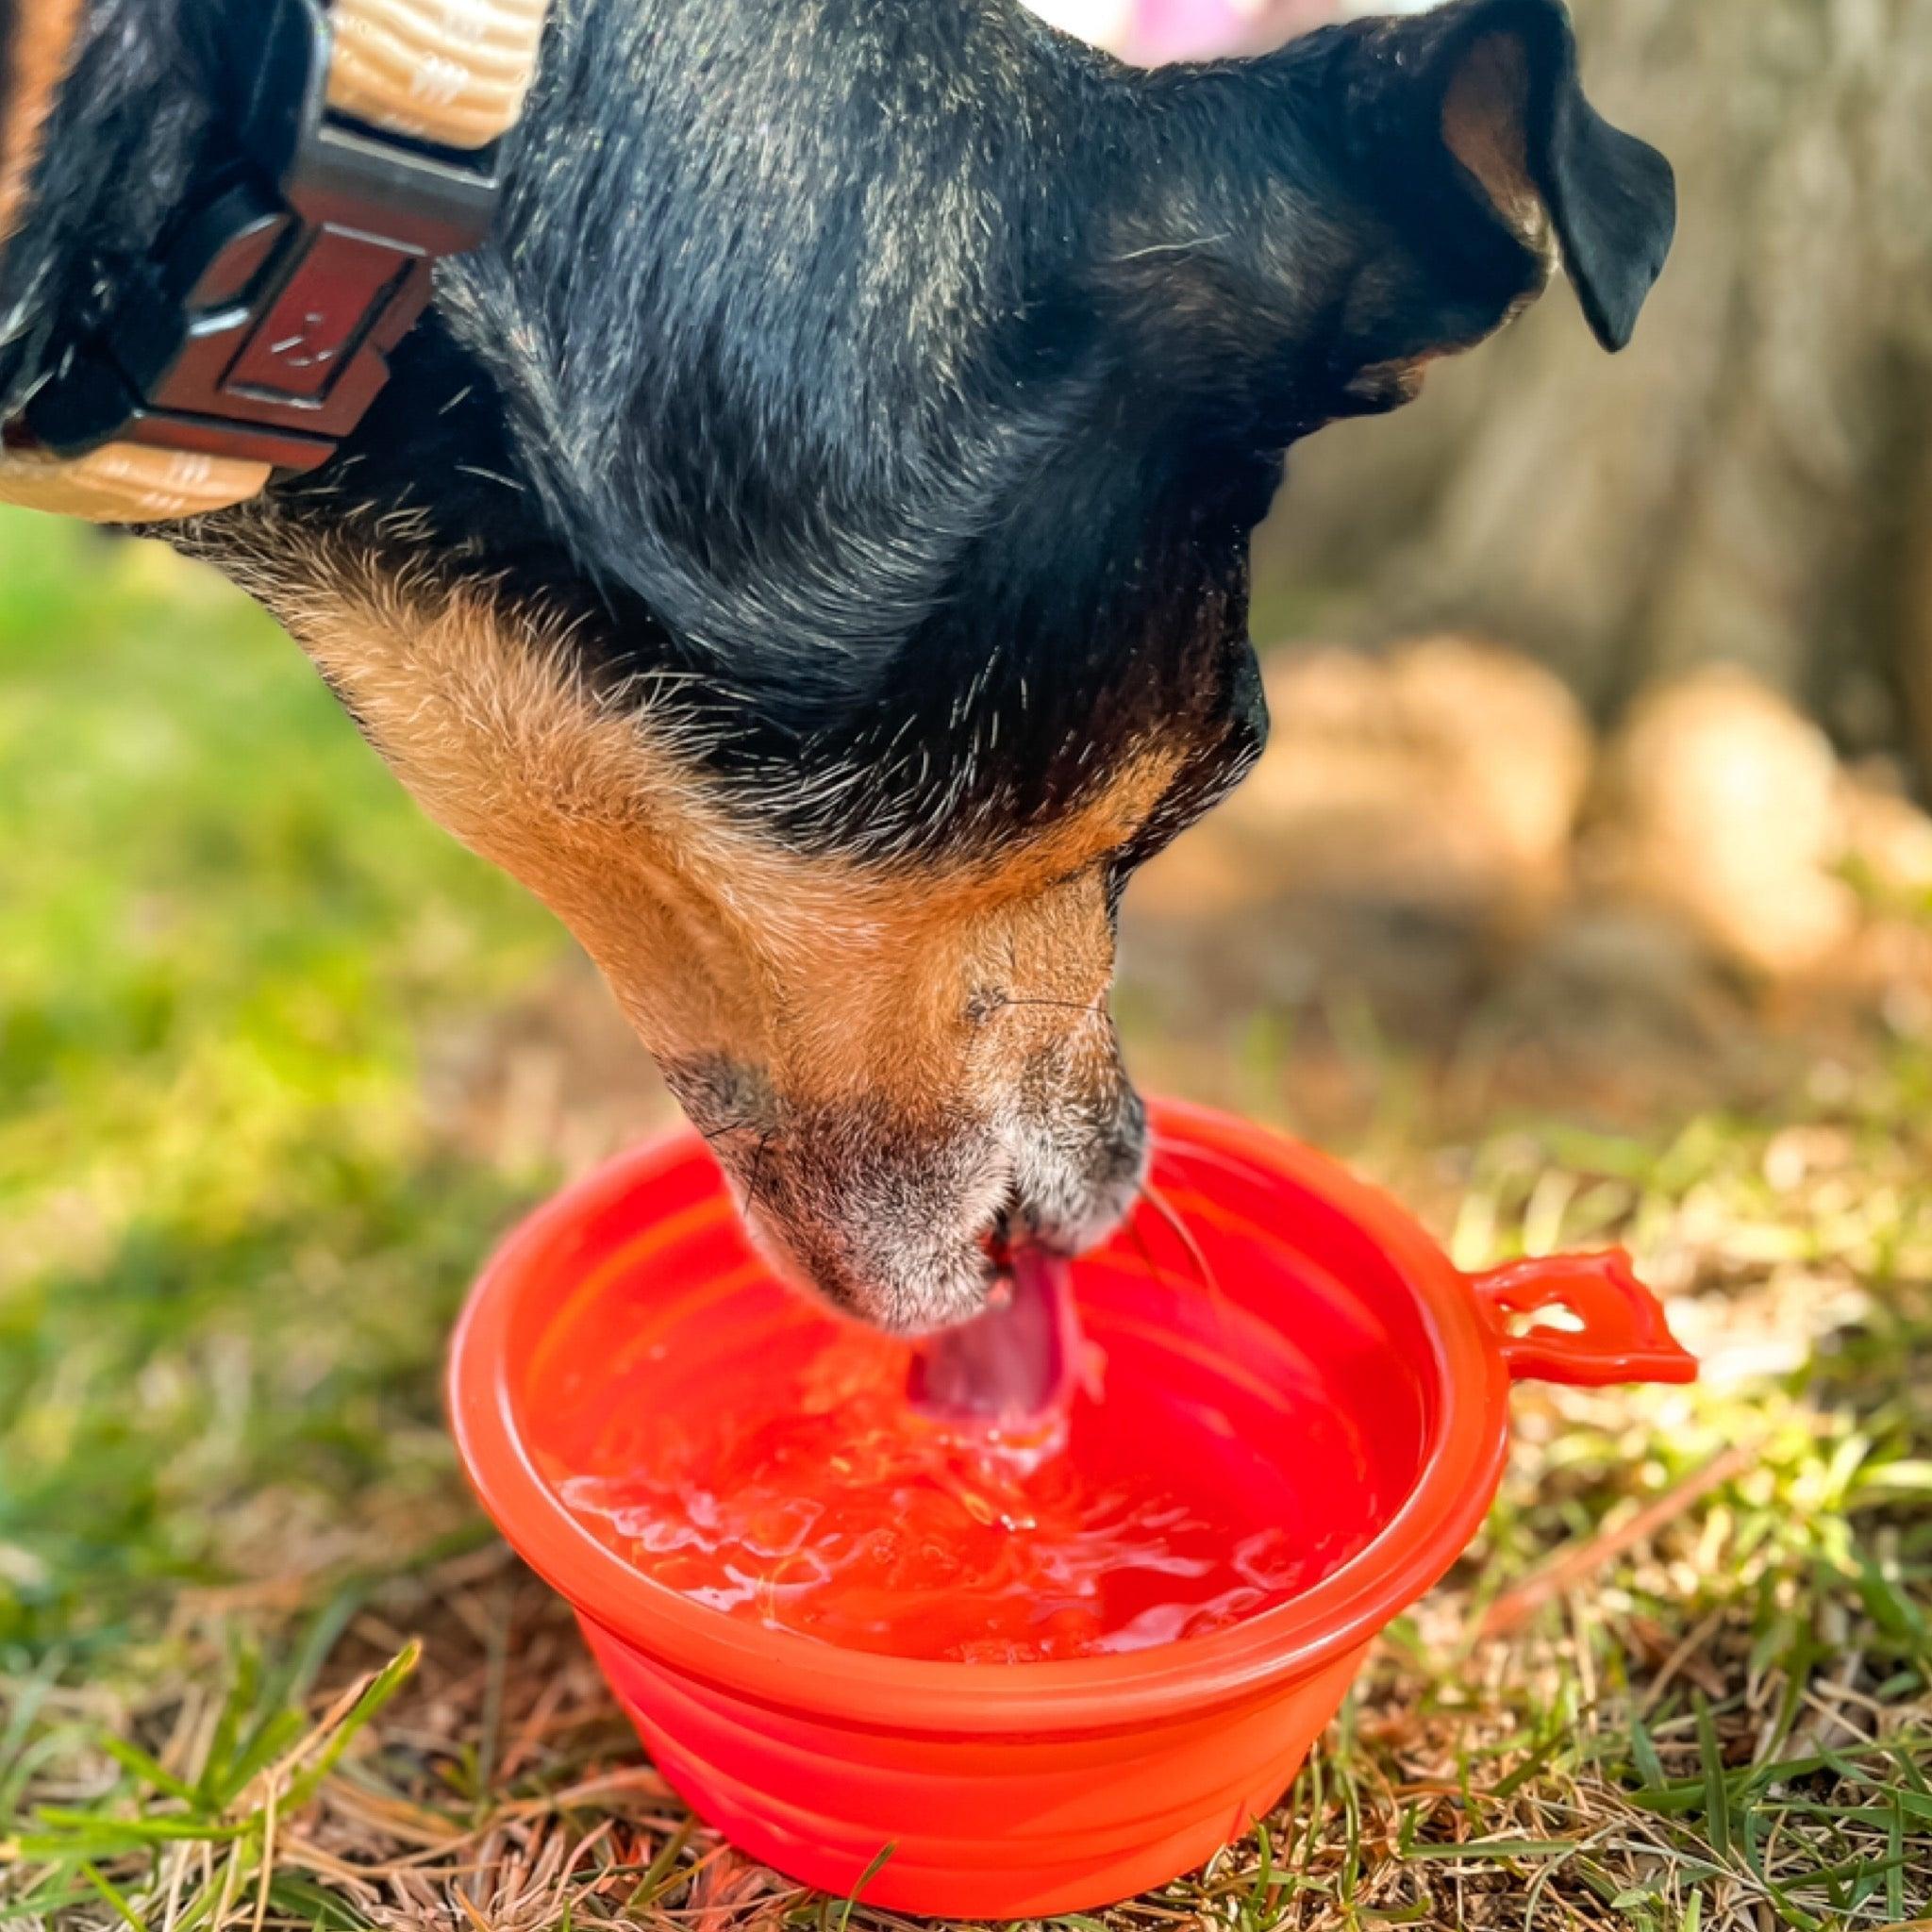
(1013, 1369)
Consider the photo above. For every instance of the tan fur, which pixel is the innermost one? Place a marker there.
(44, 39)
(840, 981)
(887, 1058)
(1486, 124)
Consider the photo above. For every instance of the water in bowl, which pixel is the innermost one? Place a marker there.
(1013, 1493)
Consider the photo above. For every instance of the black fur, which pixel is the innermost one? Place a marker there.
(893, 383)
(1611, 198)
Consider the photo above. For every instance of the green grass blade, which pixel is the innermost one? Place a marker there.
(1716, 1792)
(881, 1859)
(148, 1770)
(1644, 1753)
(1895, 1877)
(1484, 1850)
(273, 1738)
(382, 1687)
(123, 1910)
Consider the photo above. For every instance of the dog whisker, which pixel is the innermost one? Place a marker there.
(1138, 1236)
(1184, 1234)
(754, 1193)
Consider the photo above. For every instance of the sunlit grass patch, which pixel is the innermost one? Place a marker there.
(231, 1241)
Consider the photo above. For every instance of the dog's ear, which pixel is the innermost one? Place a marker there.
(1477, 105)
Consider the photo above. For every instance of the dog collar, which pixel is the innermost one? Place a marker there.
(255, 337)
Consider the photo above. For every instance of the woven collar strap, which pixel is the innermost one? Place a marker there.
(452, 72)
(375, 125)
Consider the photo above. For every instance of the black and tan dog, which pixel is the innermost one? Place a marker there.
(808, 546)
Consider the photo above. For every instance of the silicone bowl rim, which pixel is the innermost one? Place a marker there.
(1463, 1458)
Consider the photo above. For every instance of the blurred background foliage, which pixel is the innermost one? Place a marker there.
(1749, 483)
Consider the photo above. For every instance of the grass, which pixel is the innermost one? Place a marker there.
(260, 1665)
(230, 1242)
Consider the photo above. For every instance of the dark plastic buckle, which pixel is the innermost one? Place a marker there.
(263, 328)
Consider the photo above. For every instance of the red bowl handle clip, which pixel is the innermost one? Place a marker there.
(1624, 1336)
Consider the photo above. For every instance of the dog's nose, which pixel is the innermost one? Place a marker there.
(1078, 1170)
(905, 1230)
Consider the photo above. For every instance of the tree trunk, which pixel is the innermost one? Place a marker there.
(1749, 482)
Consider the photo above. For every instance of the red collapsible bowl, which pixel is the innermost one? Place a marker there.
(1338, 1341)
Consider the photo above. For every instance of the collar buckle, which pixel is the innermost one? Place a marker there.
(263, 328)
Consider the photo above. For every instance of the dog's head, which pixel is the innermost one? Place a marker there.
(810, 549)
